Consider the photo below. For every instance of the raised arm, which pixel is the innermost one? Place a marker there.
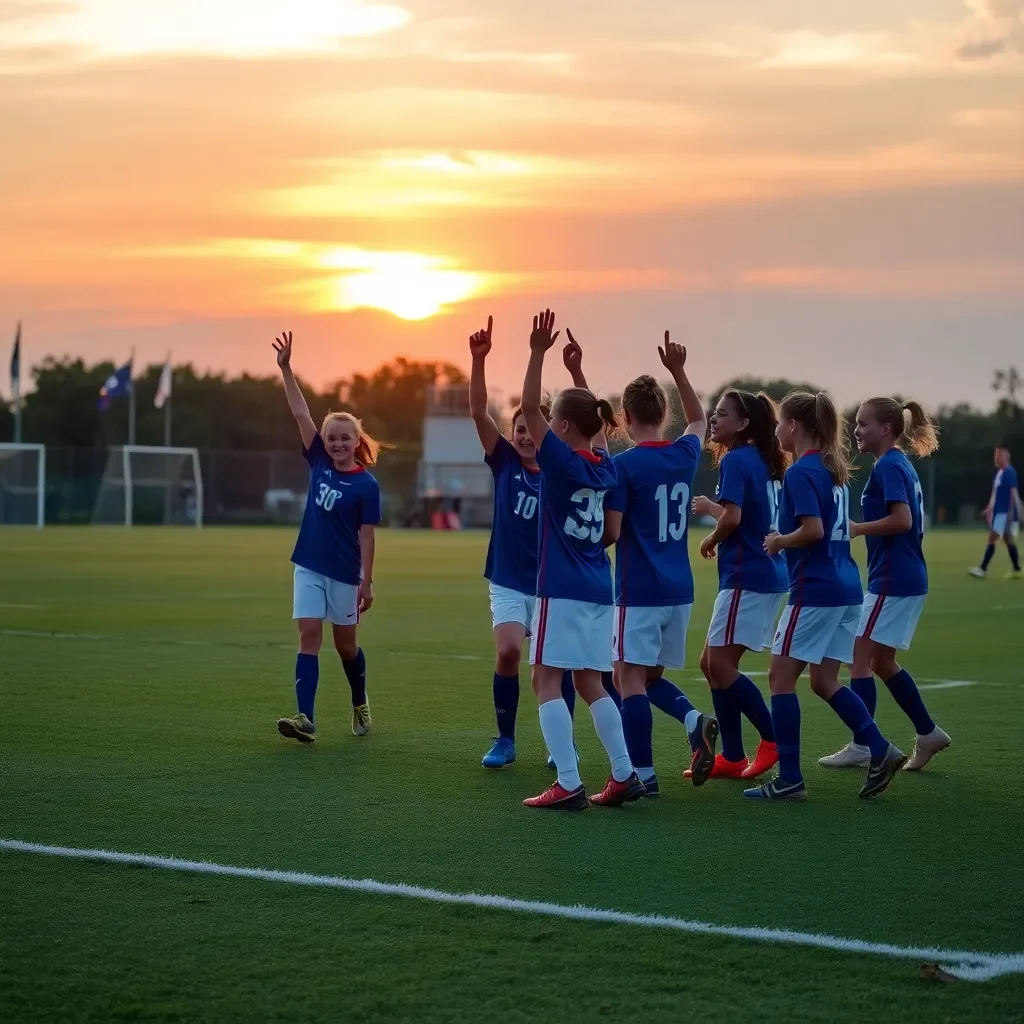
(292, 391)
(541, 339)
(899, 520)
(673, 357)
(486, 429)
(572, 357)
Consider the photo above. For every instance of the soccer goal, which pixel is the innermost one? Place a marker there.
(145, 485)
(22, 484)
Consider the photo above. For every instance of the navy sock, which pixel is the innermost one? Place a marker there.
(850, 708)
(786, 722)
(307, 676)
(568, 691)
(730, 724)
(506, 704)
(864, 687)
(990, 553)
(638, 725)
(355, 672)
(667, 697)
(751, 703)
(905, 692)
(608, 682)
(1014, 556)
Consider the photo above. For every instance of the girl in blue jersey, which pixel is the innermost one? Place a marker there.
(893, 524)
(751, 467)
(511, 567)
(333, 556)
(819, 624)
(572, 625)
(647, 515)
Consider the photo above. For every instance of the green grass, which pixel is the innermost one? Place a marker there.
(118, 735)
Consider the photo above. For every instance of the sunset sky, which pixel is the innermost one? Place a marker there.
(828, 190)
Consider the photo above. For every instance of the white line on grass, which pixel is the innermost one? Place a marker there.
(947, 684)
(970, 966)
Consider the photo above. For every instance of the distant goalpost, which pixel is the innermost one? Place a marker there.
(22, 484)
(145, 484)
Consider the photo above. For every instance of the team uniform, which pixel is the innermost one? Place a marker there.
(653, 579)
(572, 621)
(1004, 506)
(751, 583)
(821, 619)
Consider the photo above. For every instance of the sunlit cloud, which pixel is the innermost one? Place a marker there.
(808, 49)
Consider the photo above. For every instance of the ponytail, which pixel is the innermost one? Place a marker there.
(586, 412)
(368, 449)
(909, 422)
(607, 414)
(819, 417)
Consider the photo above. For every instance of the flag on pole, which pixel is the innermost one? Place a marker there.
(117, 384)
(16, 366)
(163, 389)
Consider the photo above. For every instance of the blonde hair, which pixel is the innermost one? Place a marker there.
(367, 448)
(585, 411)
(819, 417)
(645, 400)
(908, 422)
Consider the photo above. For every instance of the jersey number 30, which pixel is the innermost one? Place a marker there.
(327, 497)
(591, 514)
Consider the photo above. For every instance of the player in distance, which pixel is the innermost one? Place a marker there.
(1003, 515)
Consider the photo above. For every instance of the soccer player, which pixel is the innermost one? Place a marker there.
(751, 467)
(1003, 515)
(818, 627)
(572, 624)
(893, 524)
(647, 514)
(333, 556)
(511, 567)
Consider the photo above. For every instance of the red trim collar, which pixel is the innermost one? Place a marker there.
(653, 444)
(529, 469)
(349, 472)
(588, 454)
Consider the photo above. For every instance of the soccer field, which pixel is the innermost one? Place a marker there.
(141, 675)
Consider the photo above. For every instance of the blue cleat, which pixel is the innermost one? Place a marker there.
(777, 791)
(502, 753)
(651, 787)
(552, 767)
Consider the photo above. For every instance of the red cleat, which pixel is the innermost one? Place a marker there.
(556, 798)
(723, 769)
(766, 758)
(616, 793)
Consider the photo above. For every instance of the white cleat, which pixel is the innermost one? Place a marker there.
(925, 748)
(977, 572)
(851, 756)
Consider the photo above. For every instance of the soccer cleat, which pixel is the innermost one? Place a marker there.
(881, 774)
(722, 769)
(977, 572)
(361, 720)
(298, 728)
(925, 748)
(651, 787)
(853, 755)
(1014, 574)
(502, 752)
(778, 791)
(766, 758)
(615, 793)
(703, 760)
(555, 798)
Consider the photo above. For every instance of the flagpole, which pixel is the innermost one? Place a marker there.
(131, 399)
(16, 384)
(167, 403)
(17, 412)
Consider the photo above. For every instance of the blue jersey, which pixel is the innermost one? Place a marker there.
(573, 563)
(744, 481)
(652, 491)
(337, 505)
(512, 551)
(896, 566)
(1004, 486)
(823, 575)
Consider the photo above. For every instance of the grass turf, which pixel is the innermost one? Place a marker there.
(140, 677)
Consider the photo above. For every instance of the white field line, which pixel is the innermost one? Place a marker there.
(965, 964)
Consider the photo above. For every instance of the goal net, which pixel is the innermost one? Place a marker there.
(144, 485)
(22, 484)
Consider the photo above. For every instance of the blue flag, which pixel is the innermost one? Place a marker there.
(118, 383)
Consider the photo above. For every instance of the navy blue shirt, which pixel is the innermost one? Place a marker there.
(1005, 484)
(652, 491)
(337, 505)
(512, 550)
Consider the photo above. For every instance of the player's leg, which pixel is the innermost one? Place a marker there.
(623, 784)
(343, 612)
(1010, 540)
(309, 609)
(856, 753)
(511, 614)
(980, 571)
(635, 645)
(720, 666)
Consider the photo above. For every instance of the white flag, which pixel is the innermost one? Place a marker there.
(163, 389)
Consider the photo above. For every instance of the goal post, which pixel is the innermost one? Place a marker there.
(147, 484)
(22, 484)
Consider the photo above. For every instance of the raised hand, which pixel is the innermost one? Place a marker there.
(542, 338)
(673, 356)
(572, 355)
(480, 343)
(283, 348)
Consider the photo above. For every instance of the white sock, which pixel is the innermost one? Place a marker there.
(556, 728)
(692, 718)
(645, 774)
(608, 723)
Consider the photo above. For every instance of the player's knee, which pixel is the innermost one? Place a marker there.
(507, 660)
(311, 637)
(884, 666)
(821, 687)
(347, 647)
(721, 670)
(780, 680)
(705, 666)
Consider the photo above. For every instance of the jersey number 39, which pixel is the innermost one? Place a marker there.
(590, 522)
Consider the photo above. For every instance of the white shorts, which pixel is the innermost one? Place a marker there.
(652, 636)
(743, 617)
(511, 606)
(890, 621)
(1001, 525)
(319, 597)
(572, 634)
(815, 635)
